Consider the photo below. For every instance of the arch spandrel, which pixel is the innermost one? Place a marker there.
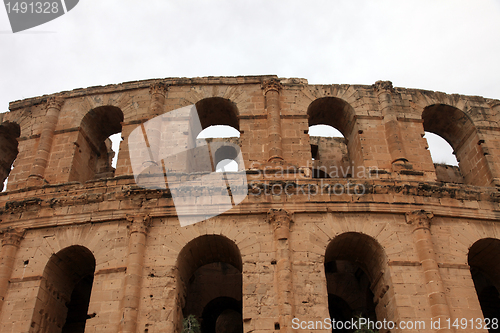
(41, 246)
(23, 119)
(463, 236)
(476, 108)
(236, 95)
(350, 94)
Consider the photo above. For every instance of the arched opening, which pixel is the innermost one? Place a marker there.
(215, 111)
(320, 172)
(210, 283)
(9, 132)
(353, 268)
(225, 159)
(330, 120)
(183, 141)
(64, 294)
(328, 150)
(324, 131)
(115, 139)
(485, 271)
(94, 153)
(339, 309)
(222, 314)
(227, 165)
(441, 151)
(445, 162)
(219, 131)
(454, 126)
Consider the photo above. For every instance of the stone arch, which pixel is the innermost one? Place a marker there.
(95, 237)
(214, 111)
(208, 258)
(235, 94)
(457, 128)
(122, 100)
(93, 154)
(220, 314)
(225, 153)
(9, 133)
(334, 153)
(353, 268)
(331, 111)
(64, 294)
(485, 271)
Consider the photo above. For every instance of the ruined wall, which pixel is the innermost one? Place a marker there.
(398, 239)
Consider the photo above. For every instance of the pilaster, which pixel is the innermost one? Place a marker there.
(272, 90)
(280, 221)
(53, 107)
(139, 225)
(11, 240)
(420, 220)
(384, 92)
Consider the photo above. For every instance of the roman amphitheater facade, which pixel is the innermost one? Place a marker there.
(330, 227)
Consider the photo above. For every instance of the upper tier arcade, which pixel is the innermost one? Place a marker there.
(63, 138)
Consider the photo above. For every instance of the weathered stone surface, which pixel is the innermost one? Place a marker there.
(369, 226)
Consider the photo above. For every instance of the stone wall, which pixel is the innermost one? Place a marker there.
(389, 236)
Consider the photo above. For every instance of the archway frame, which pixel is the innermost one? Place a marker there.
(200, 251)
(458, 129)
(39, 245)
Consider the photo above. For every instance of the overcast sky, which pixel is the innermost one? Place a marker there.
(451, 46)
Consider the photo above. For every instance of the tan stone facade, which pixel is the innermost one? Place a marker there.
(330, 227)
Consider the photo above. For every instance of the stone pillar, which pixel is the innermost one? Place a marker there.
(153, 169)
(491, 154)
(392, 130)
(158, 92)
(421, 222)
(280, 221)
(272, 89)
(133, 278)
(42, 154)
(10, 244)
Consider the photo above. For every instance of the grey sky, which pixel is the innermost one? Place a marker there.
(450, 46)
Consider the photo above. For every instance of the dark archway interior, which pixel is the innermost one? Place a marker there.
(225, 153)
(94, 154)
(320, 173)
(217, 111)
(352, 262)
(331, 111)
(485, 271)
(222, 315)
(64, 295)
(210, 270)
(9, 132)
(329, 115)
(101, 122)
(339, 310)
(349, 293)
(458, 130)
(448, 122)
(224, 157)
(78, 306)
